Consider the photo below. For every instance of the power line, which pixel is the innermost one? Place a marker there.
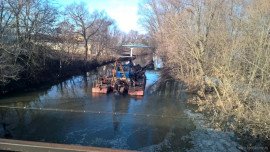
(100, 112)
(112, 113)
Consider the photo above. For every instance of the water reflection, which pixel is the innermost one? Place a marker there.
(100, 120)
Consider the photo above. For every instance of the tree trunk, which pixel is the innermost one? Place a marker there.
(18, 28)
(86, 50)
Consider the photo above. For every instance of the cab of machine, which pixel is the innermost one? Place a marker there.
(119, 72)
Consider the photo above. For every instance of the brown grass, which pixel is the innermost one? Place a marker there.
(224, 40)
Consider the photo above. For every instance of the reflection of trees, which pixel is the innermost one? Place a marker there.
(118, 106)
(21, 117)
(169, 88)
(163, 100)
(72, 86)
(12, 119)
(4, 123)
(61, 96)
(85, 82)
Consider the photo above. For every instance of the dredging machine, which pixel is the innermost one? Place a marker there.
(125, 79)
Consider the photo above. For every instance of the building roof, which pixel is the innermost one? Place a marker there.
(136, 45)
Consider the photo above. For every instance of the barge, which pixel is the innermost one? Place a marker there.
(125, 79)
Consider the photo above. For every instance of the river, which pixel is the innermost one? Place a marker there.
(70, 113)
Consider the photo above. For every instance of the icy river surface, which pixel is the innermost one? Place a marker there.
(69, 113)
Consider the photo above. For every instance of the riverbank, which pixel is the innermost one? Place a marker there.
(207, 139)
(223, 112)
(229, 106)
(54, 72)
(218, 126)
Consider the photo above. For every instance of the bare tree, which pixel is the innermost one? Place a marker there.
(100, 41)
(85, 23)
(5, 19)
(24, 26)
(67, 38)
(225, 40)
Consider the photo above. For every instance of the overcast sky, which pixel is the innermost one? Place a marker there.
(123, 11)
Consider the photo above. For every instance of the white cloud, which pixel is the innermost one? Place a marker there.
(126, 17)
(123, 11)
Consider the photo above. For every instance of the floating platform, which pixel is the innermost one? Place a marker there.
(136, 91)
(106, 88)
(126, 79)
(102, 88)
